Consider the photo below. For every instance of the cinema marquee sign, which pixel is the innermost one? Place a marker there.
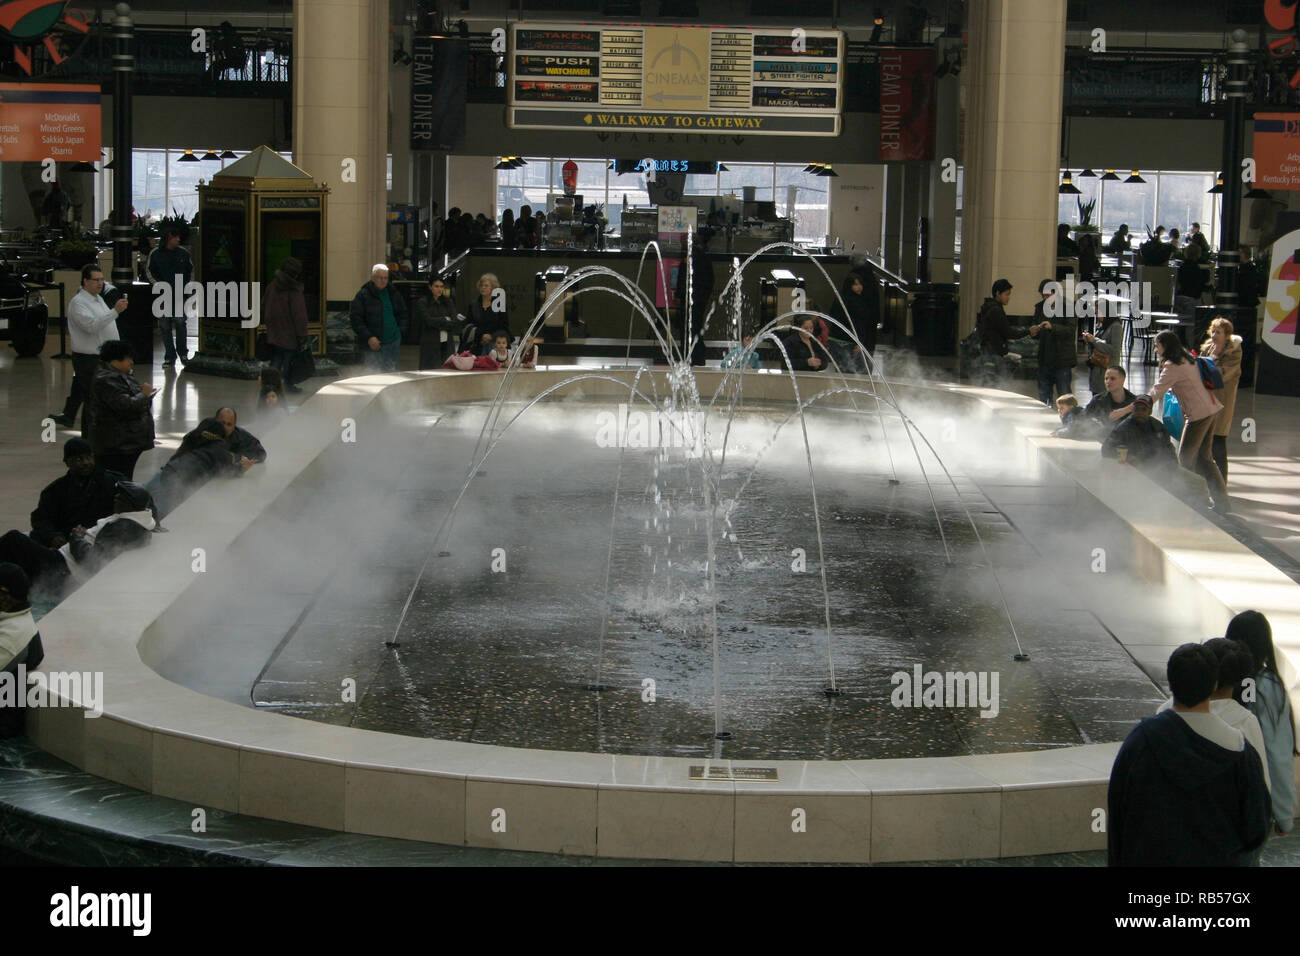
(640, 77)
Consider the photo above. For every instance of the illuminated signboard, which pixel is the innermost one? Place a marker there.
(41, 121)
(702, 166)
(756, 81)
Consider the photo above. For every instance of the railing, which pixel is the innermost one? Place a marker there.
(237, 62)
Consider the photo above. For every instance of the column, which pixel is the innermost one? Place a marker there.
(943, 195)
(915, 204)
(340, 112)
(1012, 149)
(891, 244)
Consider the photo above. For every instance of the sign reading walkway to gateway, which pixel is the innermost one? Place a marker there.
(676, 79)
(49, 121)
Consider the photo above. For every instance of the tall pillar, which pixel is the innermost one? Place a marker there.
(1012, 150)
(915, 205)
(892, 242)
(942, 207)
(340, 112)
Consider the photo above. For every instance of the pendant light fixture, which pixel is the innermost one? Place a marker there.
(1135, 178)
(1067, 187)
(188, 157)
(1110, 177)
(1217, 188)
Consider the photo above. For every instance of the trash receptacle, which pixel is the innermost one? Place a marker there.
(934, 320)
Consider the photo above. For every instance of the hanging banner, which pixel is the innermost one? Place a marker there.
(906, 105)
(1277, 150)
(439, 77)
(57, 121)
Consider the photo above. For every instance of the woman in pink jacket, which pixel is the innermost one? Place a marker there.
(1180, 374)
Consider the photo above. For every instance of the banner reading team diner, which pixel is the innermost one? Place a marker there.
(906, 105)
(57, 121)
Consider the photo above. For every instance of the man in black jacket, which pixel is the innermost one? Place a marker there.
(80, 498)
(205, 454)
(168, 263)
(1145, 441)
(1056, 351)
(122, 420)
(87, 549)
(379, 319)
(996, 331)
(1185, 789)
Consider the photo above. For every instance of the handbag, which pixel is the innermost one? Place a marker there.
(1172, 415)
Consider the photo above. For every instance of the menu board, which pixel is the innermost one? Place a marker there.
(756, 81)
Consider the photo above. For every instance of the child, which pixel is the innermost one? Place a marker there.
(529, 359)
(1073, 421)
(500, 350)
(734, 358)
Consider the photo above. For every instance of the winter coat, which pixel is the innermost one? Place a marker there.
(1147, 443)
(436, 316)
(69, 502)
(1230, 367)
(284, 310)
(994, 329)
(124, 531)
(864, 311)
(367, 313)
(1184, 379)
(1056, 345)
(165, 265)
(1178, 798)
(801, 352)
(1109, 342)
(123, 418)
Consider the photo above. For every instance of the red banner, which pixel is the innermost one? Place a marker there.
(906, 105)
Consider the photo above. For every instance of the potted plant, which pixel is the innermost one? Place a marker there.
(75, 254)
(175, 221)
(1086, 224)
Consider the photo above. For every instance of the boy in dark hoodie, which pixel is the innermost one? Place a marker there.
(1185, 789)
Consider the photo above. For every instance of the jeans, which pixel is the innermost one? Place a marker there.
(170, 347)
(1050, 377)
(385, 360)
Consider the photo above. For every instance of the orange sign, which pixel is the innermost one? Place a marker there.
(1277, 151)
(58, 121)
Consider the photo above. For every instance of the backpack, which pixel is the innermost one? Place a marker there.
(1210, 373)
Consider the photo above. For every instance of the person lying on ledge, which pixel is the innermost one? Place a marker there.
(88, 549)
(204, 454)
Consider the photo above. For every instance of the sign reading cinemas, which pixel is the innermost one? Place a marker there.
(733, 79)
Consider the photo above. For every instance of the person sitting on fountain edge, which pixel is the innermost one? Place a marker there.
(1141, 440)
(80, 498)
(1185, 789)
(737, 358)
(20, 644)
(803, 347)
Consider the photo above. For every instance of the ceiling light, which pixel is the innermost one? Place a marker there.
(229, 154)
(1088, 174)
(1110, 177)
(1135, 178)
(211, 155)
(188, 157)
(1067, 187)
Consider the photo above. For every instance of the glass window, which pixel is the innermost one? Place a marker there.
(1184, 200)
(1131, 204)
(740, 175)
(811, 195)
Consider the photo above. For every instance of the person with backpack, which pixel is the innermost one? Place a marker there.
(1225, 349)
(1181, 373)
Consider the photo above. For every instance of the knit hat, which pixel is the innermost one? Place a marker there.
(291, 267)
(75, 448)
(13, 581)
(137, 495)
